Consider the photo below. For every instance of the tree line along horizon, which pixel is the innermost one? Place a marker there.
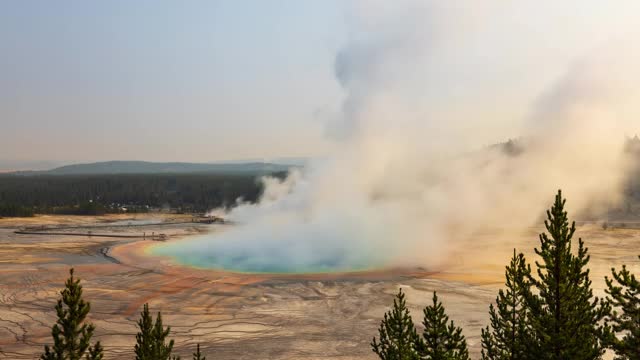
(97, 194)
(24, 196)
(550, 313)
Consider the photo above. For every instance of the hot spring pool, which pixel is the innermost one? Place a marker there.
(210, 252)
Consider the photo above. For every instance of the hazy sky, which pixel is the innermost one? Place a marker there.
(165, 80)
(215, 80)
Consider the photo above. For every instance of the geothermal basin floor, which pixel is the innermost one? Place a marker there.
(244, 316)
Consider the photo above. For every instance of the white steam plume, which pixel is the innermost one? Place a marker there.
(410, 174)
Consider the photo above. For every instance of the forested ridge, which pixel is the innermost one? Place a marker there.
(94, 194)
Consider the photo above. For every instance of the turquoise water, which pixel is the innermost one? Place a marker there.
(205, 252)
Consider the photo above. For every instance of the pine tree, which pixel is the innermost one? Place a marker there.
(71, 335)
(509, 332)
(442, 339)
(564, 315)
(398, 336)
(150, 340)
(197, 355)
(144, 340)
(96, 352)
(625, 296)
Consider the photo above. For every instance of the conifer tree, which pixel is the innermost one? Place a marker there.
(197, 355)
(71, 335)
(95, 352)
(144, 339)
(398, 337)
(564, 315)
(442, 339)
(625, 296)
(150, 340)
(509, 334)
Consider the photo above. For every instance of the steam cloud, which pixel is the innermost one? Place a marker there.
(411, 173)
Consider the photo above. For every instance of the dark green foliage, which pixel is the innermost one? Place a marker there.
(564, 315)
(197, 355)
(71, 336)
(12, 210)
(72, 194)
(624, 292)
(150, 340)
(95, 352)
(442, 340)
(84, 208)
(398, 337)
(509, 333)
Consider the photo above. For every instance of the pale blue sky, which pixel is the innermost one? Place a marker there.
(166, 80)
(236, 79)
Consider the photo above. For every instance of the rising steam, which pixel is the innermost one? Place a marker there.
(411, 173)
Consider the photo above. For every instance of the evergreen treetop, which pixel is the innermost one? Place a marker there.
(398, 337)
(624, 292)
(71, 335)
(197, 355)
(564, 315)
(95, 352)
(442, 340)
(150, 340)
(509, 333)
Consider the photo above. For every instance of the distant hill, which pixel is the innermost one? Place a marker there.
(146, 167)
